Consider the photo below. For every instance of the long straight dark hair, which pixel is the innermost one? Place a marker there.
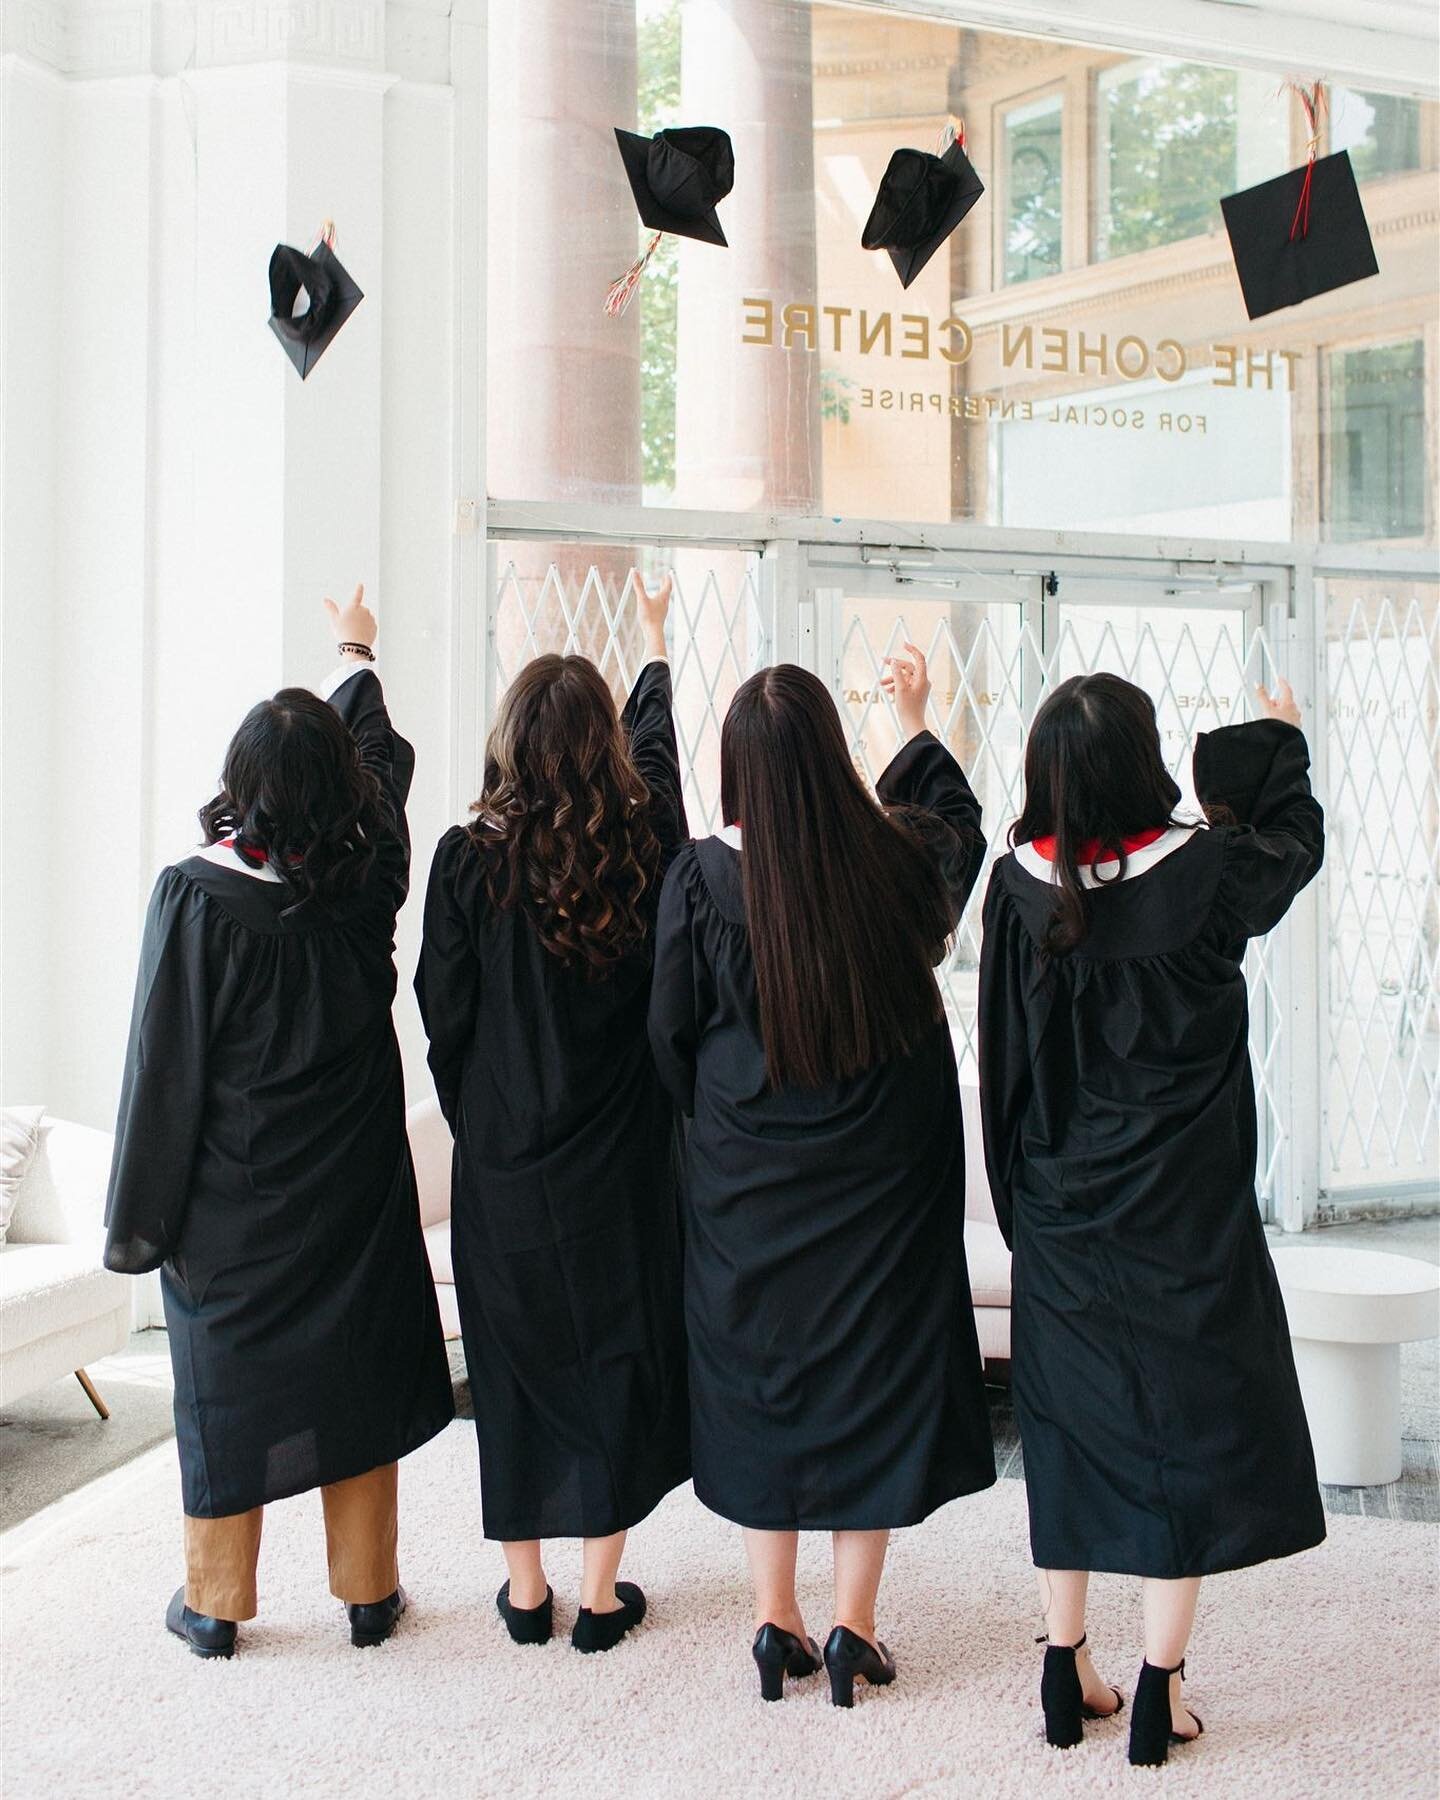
(1094, 776)
(845, 910)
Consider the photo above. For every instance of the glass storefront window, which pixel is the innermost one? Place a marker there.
(1381, 131)
(790, 373)
(1034, 180)
(1375, 440)
(1170, 139)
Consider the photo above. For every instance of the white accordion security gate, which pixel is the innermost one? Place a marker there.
(1343, 995)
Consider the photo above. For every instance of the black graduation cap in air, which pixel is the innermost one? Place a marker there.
(1301, 234)
(333, 296)
(678, 178)
(920, 201)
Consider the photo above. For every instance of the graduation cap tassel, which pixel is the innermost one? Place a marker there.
(951, 132)
(620, 293)
(1312, 98)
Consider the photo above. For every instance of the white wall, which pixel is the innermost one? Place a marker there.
(176, 501)
(32, 135)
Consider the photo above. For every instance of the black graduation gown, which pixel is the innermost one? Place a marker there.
(563, 1218)
(1154, 1383)
(834, 1370)
(261, 1163)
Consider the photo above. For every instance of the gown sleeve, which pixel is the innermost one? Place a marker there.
(674, 1007)
(1259, 774)
(1005, 1074)
(162, 1092)
(447, 982)
(926, 788)
(360, 702)
(649, 723)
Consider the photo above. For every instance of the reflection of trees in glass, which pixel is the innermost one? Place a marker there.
(835, 395)
(1381, 132)
(1167, 142)
(1033, 173)
(657, 98)
(1376, 442)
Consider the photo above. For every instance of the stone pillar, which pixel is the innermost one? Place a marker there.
(747, 419)
(563, 380)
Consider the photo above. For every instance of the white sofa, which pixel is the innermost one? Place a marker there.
(431, 1146)
(60, 1308)
(985, 1250)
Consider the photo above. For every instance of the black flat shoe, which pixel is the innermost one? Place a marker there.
(205, 1636)
(527, 1624)
(372, 1624)
(603, 1631)
(1062, 1698)
(848, 1656)
(1151, 1725)
(780, 1653)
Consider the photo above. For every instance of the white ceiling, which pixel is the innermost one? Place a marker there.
(1383, 44)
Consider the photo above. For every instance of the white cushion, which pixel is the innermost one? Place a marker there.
(46, 1288)
(989, 1262)
(62, 1200)
(431, 1147)
(19, 1142)
(978, 1204)
(992, 1328)
(437, 1244)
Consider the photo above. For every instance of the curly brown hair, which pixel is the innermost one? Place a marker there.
(562, 825)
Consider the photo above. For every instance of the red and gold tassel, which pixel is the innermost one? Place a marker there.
(620, 293)
(1312, 98)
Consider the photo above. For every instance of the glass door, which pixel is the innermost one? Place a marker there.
(997, 642)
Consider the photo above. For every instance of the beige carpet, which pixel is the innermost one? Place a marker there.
(1316, 1677)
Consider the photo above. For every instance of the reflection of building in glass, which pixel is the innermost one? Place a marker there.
(1101, 221)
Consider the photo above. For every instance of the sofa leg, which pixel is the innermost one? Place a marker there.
(91, 1394)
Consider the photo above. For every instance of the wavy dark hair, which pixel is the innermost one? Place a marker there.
(295, 794)
(562, 825)
(1094, 774)
(845, 910)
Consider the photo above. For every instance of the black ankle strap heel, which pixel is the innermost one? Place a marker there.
(780, 1653)
(1151, 1729)
(1062, 1697)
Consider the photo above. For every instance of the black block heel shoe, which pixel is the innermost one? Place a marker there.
(373, 1623)
(780, 1653)
(848, 1655)
(603, 1631)
(527, 1624)
(1151, 1733)
(206, 1637)
(1062, 1698)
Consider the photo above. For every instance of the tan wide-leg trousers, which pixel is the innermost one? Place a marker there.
(221, 1555)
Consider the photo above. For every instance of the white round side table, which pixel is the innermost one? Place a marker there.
(1349, 1313)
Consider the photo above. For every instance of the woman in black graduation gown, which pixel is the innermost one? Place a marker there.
(1154, 1384)
(261, 1161)
(533, 982)
(834, 1371)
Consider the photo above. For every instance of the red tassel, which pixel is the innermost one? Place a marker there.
(1312, 99)
(621, 292)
